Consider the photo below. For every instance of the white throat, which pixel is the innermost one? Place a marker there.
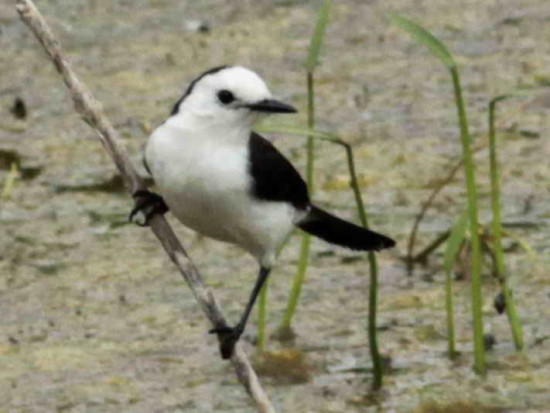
(209, 126)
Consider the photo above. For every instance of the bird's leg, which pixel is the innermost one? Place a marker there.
(228, 336)
(149, 204)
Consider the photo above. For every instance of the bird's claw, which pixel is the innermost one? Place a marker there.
(228, 337)
(149, 204)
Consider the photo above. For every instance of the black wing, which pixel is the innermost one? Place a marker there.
(274, 178)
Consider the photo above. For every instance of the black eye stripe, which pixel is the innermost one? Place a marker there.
(225, 96)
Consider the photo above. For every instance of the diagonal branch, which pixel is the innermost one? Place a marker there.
(425, 206)
(92, 113)
(410, 259)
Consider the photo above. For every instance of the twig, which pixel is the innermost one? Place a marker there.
(422, 256)
(425, 206)
(92, 113)
(410, 258)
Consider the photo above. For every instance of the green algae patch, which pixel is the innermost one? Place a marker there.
(460, 406)
(428, 333)
(432, 298)
(285, 366)
(63, 358)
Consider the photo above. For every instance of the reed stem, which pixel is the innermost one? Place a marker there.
(515, 324)
(377, 366)
(306, 238)
(262, 318)
(449, 304)
(469, 173)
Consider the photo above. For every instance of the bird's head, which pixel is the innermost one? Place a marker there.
(228, 96)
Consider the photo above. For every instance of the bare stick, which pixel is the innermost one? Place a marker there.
(411, 259)
(92, 113)
(425, 206)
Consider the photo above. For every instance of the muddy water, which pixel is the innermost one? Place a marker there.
(94, 317)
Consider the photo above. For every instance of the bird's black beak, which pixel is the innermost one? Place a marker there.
(271, 106)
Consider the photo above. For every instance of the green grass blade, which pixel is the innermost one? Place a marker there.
(512, 94)
(470, 181)
(310, 64)
(377, 366)
(424, 37)
(317, 38)
(458, 233)
(301, 131)
(513, 318)
(262, 318)
(9, 183)
(263, 301)
(295, 292)
(442, 53)
(524, 245)
(284, 329)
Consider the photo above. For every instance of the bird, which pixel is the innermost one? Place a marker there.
(225, 181)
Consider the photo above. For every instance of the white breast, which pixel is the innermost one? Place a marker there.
(206, 185)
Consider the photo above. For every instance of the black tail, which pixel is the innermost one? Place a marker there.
(340, 232)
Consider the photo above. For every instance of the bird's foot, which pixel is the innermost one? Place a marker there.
(149, 204)
(228, 337)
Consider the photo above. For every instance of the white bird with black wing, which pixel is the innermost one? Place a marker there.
(226, 182)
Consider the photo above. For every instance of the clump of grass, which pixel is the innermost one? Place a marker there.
(492, 242)
(438, 49)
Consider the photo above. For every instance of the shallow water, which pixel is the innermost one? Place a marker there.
(94, 316)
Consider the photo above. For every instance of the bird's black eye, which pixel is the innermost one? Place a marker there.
(225, 96)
